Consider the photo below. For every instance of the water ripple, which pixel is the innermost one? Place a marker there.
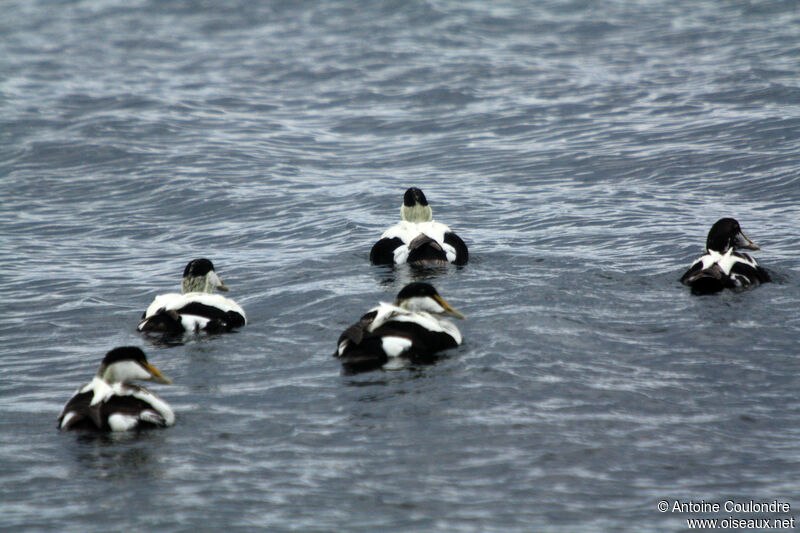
(582, 151)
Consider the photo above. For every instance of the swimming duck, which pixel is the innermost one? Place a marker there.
(197, 309)
(409, 330)
(111, 403)
(417, 238)
(722, 267)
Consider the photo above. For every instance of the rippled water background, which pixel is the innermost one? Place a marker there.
(582, 149)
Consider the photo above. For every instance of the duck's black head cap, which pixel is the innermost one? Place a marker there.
(198, 267)
(722, 234)
(413, 197)
(125, 353)
(418, 288)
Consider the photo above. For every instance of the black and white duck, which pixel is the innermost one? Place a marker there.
(417, 238)
(723, 267)
(392, 335)
(196, 309)
(110, 402)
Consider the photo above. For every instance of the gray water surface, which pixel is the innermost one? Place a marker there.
(581, 149)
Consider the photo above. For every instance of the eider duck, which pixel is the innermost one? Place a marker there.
(196, 310)
(111, 403)
(409, 330)
(722, 267)
(417, 238)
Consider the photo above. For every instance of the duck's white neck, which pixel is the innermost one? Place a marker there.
(122, 372)
(419, 304)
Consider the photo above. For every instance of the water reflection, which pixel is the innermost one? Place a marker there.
(167, 340)
(402, 275)
(119, 455)
(384, 378)
(399, 367)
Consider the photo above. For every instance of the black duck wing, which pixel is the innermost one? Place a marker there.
(462, 254)
(424, 342)
(382, 252)
(222, 320)
(692, 273)
(80, 414)
(354, 335)
(752, 272)
(129, 405)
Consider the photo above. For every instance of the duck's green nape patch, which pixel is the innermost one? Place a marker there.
(416, 213)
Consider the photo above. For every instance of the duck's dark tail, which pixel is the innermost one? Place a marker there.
(163, 321)
(425, 250)
(706, 281)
